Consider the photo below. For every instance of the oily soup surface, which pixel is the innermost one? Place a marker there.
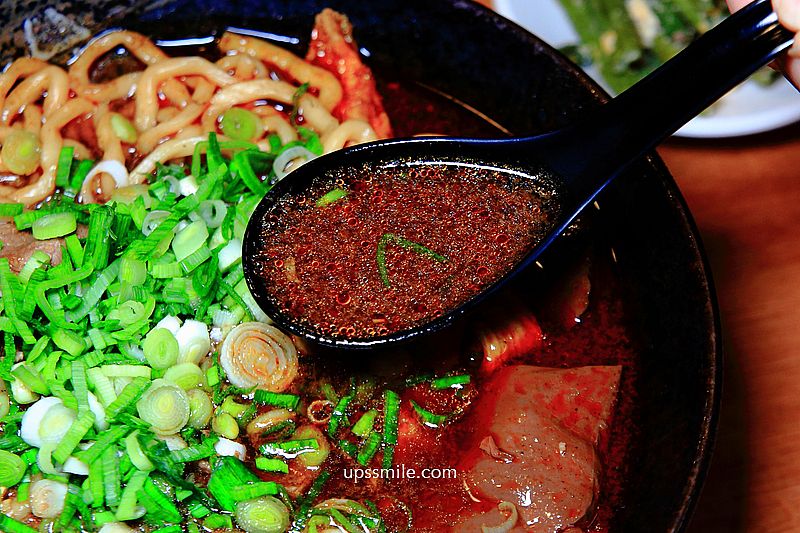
(375, 250)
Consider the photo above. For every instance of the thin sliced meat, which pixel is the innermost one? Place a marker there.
(536, 445)
(18, 246)
(334, 49)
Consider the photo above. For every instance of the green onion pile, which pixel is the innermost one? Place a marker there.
(110, 389)
(107, 389)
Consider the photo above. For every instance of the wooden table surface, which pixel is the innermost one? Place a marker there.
(745, 197)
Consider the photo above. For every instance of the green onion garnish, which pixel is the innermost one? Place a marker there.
(391, 414)
(277, 399)
(339, 415)
(228, 472)
(450, 381)
(369, 449)
(268, 464)
(380, 254)
(64, 166)
(363, 426)
(331, 196)
(428, 418)
(10, 525)
(11, 210)
(289, 448)
(12, 469)
(254, 490)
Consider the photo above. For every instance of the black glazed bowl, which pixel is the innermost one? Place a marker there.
(466, 51)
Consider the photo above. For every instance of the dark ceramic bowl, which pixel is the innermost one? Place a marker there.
(467, 51)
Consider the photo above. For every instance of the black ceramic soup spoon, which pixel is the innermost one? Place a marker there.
(585, 156)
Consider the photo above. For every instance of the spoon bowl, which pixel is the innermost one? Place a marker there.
(584, 158)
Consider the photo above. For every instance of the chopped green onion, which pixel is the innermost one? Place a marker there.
(369, 449)
(9, 525)
(55, 225)
(244, 169)
(391, 414)
(69, 341)
(200, 409)
(189, 240)
(363, 426)
(218, 521)
(380, 254)
(84, 167)
(266, 514)
(30, 378)
(228, 472)
(196, 452)
(450, 381)
(195, 259)
(339, 415)
(277, 399)
(268, 464)
(126, 371)
(225, 425)
(79, 385)
(64, 166)
(11, 210)
(160, 348)
(428, 418)
(240, 124)
(331, 196)
(77, 431)
(127, 502)
(290, 448)
(12, 469)
(127, 397)
(185, 375)
(104, 441)
(111, 476)
(254, 490)
(165, 270)
(123, 128)
(134, 449)
(317, 457)
(133, 271)
(158, 505)
(165, 406)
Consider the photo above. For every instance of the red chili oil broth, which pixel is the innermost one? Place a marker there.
(382, 248)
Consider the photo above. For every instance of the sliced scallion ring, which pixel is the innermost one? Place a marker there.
(290, 159)
(185, 375)
(240, 124)
(160, 348)
(266, 514)
(12, 469)
(200, 409)
(54, 225)
(164, 406)
(47, 498)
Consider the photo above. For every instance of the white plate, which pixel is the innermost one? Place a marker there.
(750, 108)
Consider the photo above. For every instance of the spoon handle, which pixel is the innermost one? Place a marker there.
(593, 153)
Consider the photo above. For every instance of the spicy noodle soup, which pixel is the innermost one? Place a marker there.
(141, 387)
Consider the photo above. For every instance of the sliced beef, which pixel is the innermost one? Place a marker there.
(18, 246)
(535, 446)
